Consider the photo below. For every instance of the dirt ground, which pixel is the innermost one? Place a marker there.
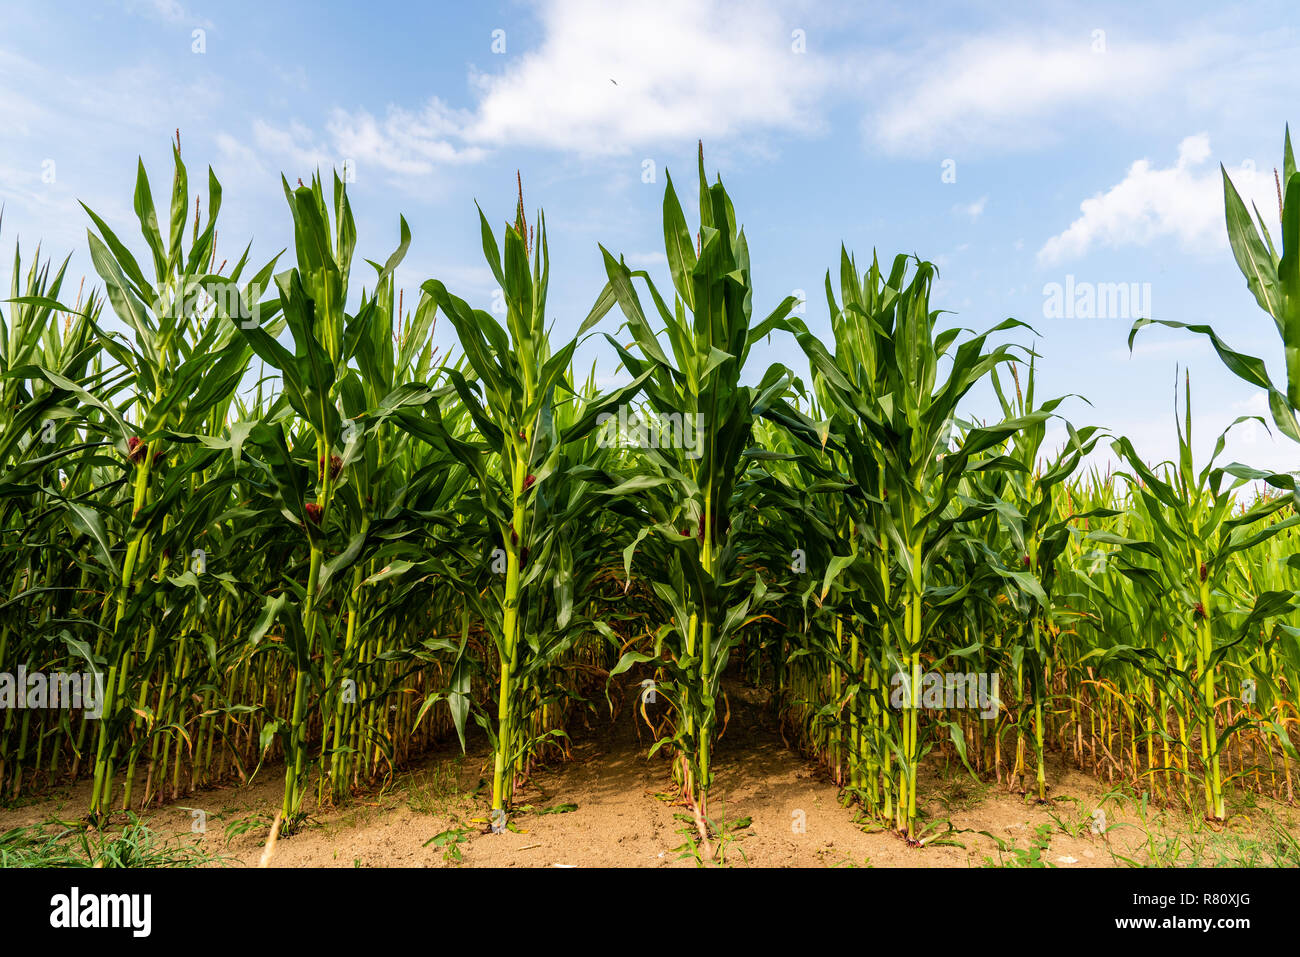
(611, 806)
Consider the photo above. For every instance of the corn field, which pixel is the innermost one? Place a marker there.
(285, 536)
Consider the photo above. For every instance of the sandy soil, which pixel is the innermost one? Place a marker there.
(613, 807)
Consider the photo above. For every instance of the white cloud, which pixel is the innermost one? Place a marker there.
(1183, 201)
(1252, 433)
(403, 142)
(409, 147)
(607, 79)
(973, 210)
(168, 11)
(238, 151)
(1013, 92)
(295, 143)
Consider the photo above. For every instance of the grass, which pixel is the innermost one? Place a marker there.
(434, 791)
(1011, 855)
(58, 844)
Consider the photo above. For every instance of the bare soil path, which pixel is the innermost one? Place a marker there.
(611, 806)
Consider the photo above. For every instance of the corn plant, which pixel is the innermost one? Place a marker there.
(693, 391)
(907, 414)
(182, 369)
(514, 404)
(1195, 535)
(1038, 534)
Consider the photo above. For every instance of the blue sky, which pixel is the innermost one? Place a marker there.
(1014, 147)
